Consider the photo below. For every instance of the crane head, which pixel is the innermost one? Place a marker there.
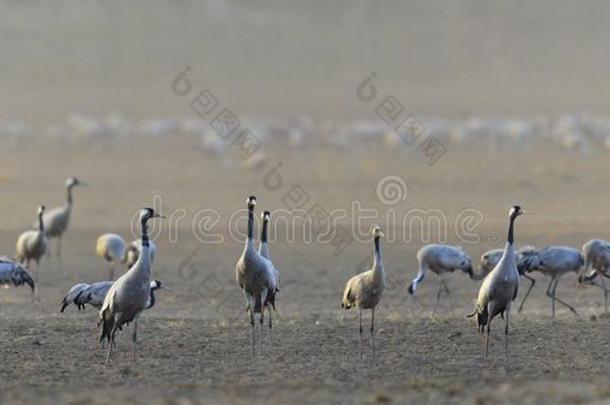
(251, 201)
(515, 211)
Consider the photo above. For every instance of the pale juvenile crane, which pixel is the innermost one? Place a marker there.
(14, 274)
(499, 289)
(365, 290)
(263, 250)
(255, 277)
(134, 249)
(440, 259)
(56, 220)
(31, 245)
(83, 294)
(111, 247)
(597, 265)
(490, 259)
(555, 261)
(129, 294)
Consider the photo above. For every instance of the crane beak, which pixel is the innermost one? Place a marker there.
(166, 288)
(159, 216)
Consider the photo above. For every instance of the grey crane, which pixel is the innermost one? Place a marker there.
(129, 294)
(83, 294)
(263, 250)
(555, 261)
(597, 265)
(111, 247)
(32, 245)
(365, 290)
(14, 274)
(56, 220)
(499, 288)
(490, 259)
(440, 259)
(255, 277)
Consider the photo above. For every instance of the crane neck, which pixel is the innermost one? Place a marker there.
(145, 240)
(378, 260)
(510, 238)
(69, 195)
(264, 231)
(151, 303)
(249, 241)
(40, 222)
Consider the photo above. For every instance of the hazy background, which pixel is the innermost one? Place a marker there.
(274, 57)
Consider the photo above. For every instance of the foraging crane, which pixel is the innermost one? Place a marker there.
(56, 220)
(111, 248)
(555, 261)
(597, 263)
(129, 294)
(93, 294)
(134, 249)
(440, 259)
(365, 290)
(31, 245)
(490, 259)
(499, 289)
(255, 277)
(14, 274)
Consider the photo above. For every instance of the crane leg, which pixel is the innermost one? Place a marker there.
(490, 308)
(360, 331)
(448, 293)
(270, 325)
(438, 299)
(111, 343)
(134, 338)
(262, 321)
(570, 307)
(507, 317)
(550, 295)
(373, 332)
(527, 293)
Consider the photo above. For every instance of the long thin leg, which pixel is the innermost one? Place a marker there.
(570, 307)
(550, 295)
(506, 318)
(373, 332)
(490, 308)
(446, 288)
(262, 321)
(111, 344)
(250, 309)
(533, 282)
(134, 338)
(438, 298)
(605, 294)
(270, 325)
(360, 331)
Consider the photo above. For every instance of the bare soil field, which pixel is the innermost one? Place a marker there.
(193, 345)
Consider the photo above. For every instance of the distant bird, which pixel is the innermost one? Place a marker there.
(133, 252)
(490, 259)
(255, 277)
(14, 274)
(111, 248)
(365, 290)
(32, 245)
(440, 259)
(83, 294)
(263, 250)
(56, 220)
(555, 261)
(129, 294)
(499, 289)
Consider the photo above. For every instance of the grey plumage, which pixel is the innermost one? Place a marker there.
(490, 259)
(56, 220)
(597, 265)
(499, 288)
(133, 252)
(440, 259)
(129, 294)
(111, 247)
(365, 290)
(32, 245)
(555, 261)
(14, 274)
(255, 277)
(83, 294)
(263, 250)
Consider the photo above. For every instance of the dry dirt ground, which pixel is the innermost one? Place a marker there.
(193, 345)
